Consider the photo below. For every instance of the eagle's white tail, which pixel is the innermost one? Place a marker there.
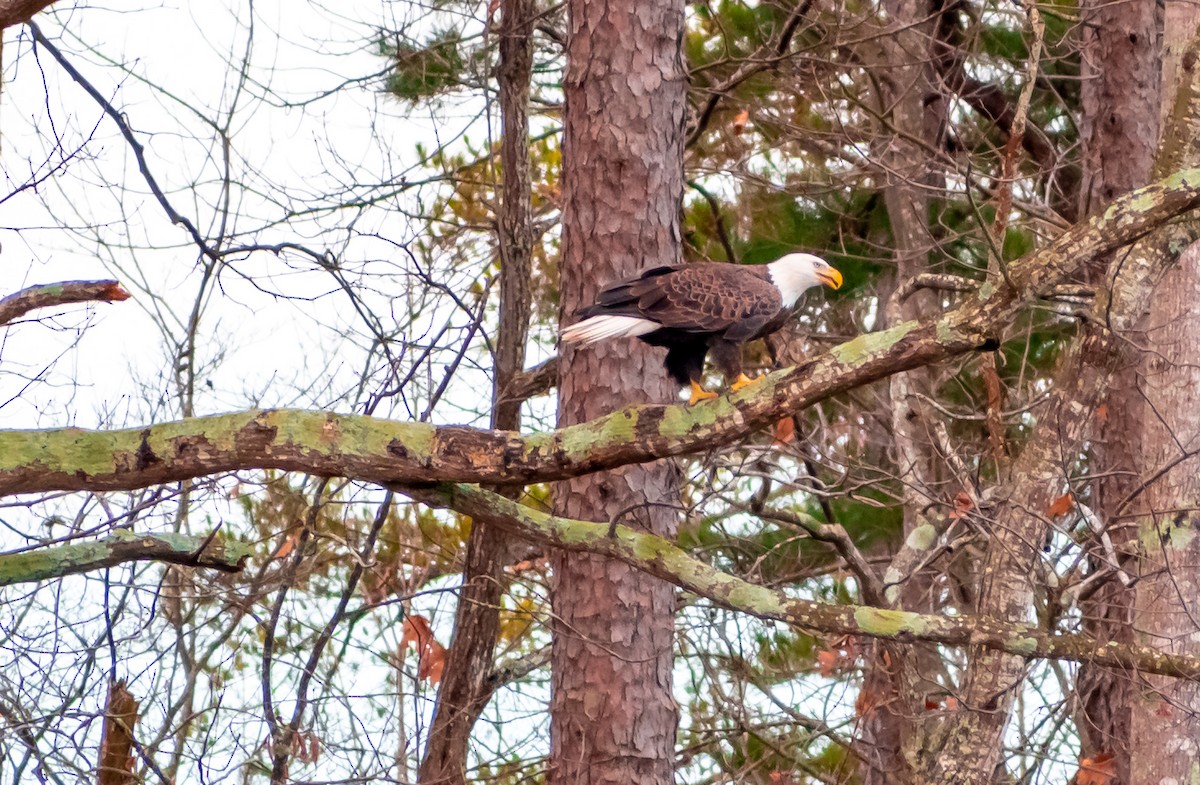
(603, 327)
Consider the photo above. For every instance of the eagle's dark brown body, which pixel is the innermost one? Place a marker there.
(701, 308)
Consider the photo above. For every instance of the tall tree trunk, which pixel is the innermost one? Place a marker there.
(468, 685)
(1164, 725)
(1120, 99)
(1166, 712)
(897, 677)
(613, 717)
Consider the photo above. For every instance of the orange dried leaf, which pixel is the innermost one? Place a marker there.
(1061, 506)
(827, 661)
(538, 564)
(432, 663)
(1100, 770)
(962, 506)
(1102, 413)
(867, 702)
(739, 122)
(431, 655)
(416, 630)
(287, 546)
(785, 430)
(115, 293)
(116, 738)
(951, 703)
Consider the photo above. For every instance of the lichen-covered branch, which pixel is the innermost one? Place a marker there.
(383, 451)
(662, 559)
(50, 295)
(56, 561)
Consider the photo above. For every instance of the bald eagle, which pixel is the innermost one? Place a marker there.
(692, 309)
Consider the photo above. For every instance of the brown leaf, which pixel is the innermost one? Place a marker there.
(827, 661)
(116, 738)
(306, 747)
(867, 702)
(1061, 506)
(431, 655)
(962, 506)
(537, 564)
(1102, 413)
(1099, 770)
(114, 293)
(287, 546)
(785, 430)
(739, 122)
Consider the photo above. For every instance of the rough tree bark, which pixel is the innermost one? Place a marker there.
(1164, 725)
(613, 717)
(897, 677)
(1166, 713)
(1120, 98)
(469, 682)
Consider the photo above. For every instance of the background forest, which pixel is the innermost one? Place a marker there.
(299, 486)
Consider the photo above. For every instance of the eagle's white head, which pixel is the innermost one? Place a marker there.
(796, 273)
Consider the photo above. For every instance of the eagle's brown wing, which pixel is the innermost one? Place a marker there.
(718, 298)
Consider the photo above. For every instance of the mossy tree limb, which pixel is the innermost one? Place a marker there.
(382, 451)
(121, 547)
(662, 559)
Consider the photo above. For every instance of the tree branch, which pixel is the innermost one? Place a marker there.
(122, 546)
(49, 295)
(15, 12)
(382, 451)
(660, 558)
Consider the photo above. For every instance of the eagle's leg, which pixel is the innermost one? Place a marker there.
(728, 357)
(699, 394)
(743, 380)
(685, 363)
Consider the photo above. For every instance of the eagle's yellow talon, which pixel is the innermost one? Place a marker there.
(742, 381)
(699, 394)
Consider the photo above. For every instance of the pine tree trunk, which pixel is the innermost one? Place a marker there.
(1166, 712)
(896, 677)
(1164, 727)
(613, 716)
(1120, 98)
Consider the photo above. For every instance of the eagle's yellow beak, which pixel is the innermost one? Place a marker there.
(831, 278)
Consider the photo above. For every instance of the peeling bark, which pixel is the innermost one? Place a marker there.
(1166, 714)
(1120, 97)
(50, 295)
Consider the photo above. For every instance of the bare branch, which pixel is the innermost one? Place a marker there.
(49, 295)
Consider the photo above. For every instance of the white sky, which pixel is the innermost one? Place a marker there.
(315, 150)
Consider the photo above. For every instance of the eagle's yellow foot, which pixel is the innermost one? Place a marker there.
(699, 394)
(743, 381)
